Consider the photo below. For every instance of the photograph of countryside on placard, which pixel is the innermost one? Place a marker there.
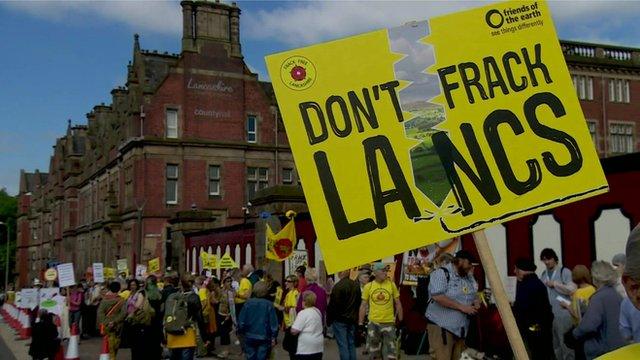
(428, 171)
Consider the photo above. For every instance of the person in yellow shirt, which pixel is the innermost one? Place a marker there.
(288, 307)
(581, 276)
(244, 289)
(383, 300)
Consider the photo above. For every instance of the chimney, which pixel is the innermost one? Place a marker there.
(211, 23)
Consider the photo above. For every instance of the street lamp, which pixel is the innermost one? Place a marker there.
(6, 265)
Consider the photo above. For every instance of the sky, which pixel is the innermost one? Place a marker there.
(59, 59)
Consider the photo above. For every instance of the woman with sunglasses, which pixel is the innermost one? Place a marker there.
(288, 307)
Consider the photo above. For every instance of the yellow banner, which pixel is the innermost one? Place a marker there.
(280, 246)
(154, 265)
(411, 135)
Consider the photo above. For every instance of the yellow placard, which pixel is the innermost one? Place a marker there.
(209, 261)
(226, 262)
(109, 273)
(411, 135)
(154, 265)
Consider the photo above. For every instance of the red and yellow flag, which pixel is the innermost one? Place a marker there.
(280, 246)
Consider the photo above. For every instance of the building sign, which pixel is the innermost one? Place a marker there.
(216, 86)
(411, 135)
(212, 113)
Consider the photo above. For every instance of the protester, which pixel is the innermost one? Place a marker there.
(559, 285)
(111, 315)
(244, 288)
(618, 262)
(382, 299)
(342, 314)
(209, 306)
(631, 274)
(581, 276)
(532, 311)
(308, 327)
(255, 276)
(599, 327)
(288, 307)
(453, 290)
(224, 316)
(76, 299)
(138, 321)
(302, 282)
(311, 277)
(153, 333)
(92, 297)
(65, 329)
(258, 324)
(182, 319)
(629, 322)
(44, 337)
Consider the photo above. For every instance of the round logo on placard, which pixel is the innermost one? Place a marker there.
(298, 73)
(494, 18)
(50, 274)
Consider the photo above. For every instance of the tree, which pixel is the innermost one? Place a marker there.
(8, 215)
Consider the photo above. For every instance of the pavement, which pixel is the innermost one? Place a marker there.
(11, 348)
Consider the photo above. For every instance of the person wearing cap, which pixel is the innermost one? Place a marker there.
(453, 292)
(559, 284)
(382, 298)
(618, 262)
(532, 311)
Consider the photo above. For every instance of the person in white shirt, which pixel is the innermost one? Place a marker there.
(308, 327)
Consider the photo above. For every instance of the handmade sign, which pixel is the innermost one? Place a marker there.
(280, 246)
(154, 265)
(123, 266)
(66, 275)
(98, 272)
(411, 135)
(109, 273)
(29, 298)
(51, 300)
(298, 258)
(141, 271)
(226, 262)
(51, 274)
(209, 261)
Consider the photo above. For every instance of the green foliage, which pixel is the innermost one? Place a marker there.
(8, 215)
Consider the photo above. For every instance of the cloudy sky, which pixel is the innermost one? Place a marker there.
(58, 59)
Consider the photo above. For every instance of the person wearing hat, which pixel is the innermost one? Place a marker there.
(453, 292)
(382, 298)
(532, 311)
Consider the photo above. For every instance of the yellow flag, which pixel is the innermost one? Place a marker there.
(280, 246)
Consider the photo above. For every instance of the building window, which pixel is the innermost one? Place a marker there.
(593, 130)
(619, 91)
(621, 138)
(583, 86)
(257, 179)
(214, 180)
(252, 129)
(172, 123)
(171, 190)
(287, 176)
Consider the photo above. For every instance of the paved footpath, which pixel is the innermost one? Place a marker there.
(11, 348)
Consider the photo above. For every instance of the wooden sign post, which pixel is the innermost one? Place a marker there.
(502, 302)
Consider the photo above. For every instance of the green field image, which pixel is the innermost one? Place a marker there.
(428, 172)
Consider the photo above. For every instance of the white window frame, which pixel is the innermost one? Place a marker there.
(253, 133)
(174, 178)
(287, 180)
(214, 179)
(624, 142)
(594, 134)
(171, 123)
(619, 90)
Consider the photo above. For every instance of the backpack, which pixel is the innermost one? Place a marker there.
(176, 315)
(422, 290)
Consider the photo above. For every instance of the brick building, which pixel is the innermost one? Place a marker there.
(192, 138)
(194, 130)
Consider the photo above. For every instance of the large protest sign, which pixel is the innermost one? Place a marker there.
(51, 300)
(411, 135)
(29, 298)
(66, 275)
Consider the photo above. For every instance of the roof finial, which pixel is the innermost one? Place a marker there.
(136, 42)
(69, 123)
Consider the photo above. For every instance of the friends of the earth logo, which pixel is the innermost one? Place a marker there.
(298, 73)
(512, 19)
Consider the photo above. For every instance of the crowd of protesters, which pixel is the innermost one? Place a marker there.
(578, 313)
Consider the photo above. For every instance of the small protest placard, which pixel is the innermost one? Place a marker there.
(66, 275)
(98, 272)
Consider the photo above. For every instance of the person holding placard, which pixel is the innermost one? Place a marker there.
(111, 314)
(559, 286)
